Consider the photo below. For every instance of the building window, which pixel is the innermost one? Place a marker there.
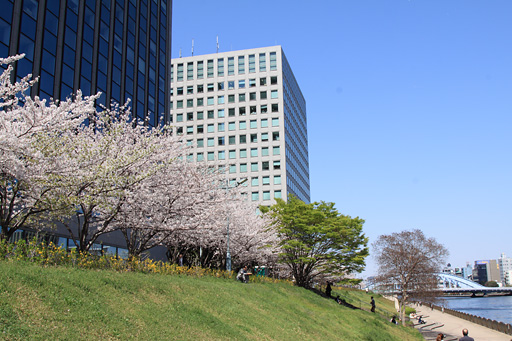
(243, 139)
(264, 151)
(231, 66)
(232, 154)
(265, 180)
(241, 111)
(277, 194)
(179, 74)
(255, 181)
(190, 130)
(232, 139)
(254, 152)
(264, 123)
(221, 155)
(179, 117)
(231, 98)
(243, 153)
(210, 128)
(209, 68)
(266, 195)
(277, 179)
(200, 156)
(243, 168)
(210, 101)
(232, 169)
(210, 114)
(273, 80)
(231, 126)
(220, 127)
(190, 71)
(220, 86)
(210, 87)
(252, 96)
(242, 125)
(252, 82)
(241, 84)
(264, 136)
(220, 67)
(231, 112)
(220, 113)
(254, 167)
(265, 165)
(275, 107)
(211, 156)
(190, 116)
(254, 138)
(241, 65)
(277, 165)
(190, 103)
(200, 142)
(241, 97)
(252, 110)
(263, 95)
(276, 150)
(200, 70)
(179, 104)
(263, 81)
(275, 136)
(220, 100)
(263, 65)
(255, 196)
(263, 109)
(273, 61)
(275, 122)
(200, 88)
(211, 142)
(273, 94)
(252, 63)
(200, 115)
(231, 85)
(200, 129)
(190, 90)
(221, 141)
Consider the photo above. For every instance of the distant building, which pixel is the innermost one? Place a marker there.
(485, 271)
(508, 278)
(245, 109)
(505, 265)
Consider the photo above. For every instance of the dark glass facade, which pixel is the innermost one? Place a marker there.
(119, 47)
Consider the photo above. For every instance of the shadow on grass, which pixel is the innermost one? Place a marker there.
(341, 300)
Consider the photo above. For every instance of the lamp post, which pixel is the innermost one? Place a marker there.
(228, 253)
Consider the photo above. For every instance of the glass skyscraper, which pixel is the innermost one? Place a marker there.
(119, 47)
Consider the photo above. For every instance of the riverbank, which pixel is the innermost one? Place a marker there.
(442, 322)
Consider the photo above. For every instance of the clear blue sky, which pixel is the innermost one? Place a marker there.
(409, 106)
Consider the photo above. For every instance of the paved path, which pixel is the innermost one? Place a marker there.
(453, 327)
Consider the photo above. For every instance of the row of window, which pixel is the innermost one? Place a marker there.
(221, 113)
(210, 87)
(242, 97)
(242, 154)
(255, 196)
(196, 70)
(232, 126)
(232, 139)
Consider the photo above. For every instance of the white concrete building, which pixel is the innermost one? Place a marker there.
(505, 265)
(246, 109)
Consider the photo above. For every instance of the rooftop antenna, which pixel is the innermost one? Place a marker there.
(180, 52)
(192, 47)
(217, 44)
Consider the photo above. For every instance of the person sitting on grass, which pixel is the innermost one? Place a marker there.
(243, 275)
(393, 320)
(421, 320)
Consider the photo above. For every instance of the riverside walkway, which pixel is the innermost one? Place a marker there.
(451, 327)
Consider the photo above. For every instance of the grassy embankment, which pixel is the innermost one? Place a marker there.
(62, 303)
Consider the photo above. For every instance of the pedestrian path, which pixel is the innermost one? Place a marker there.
(440, 322)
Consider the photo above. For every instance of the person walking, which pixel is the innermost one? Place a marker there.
(465, 336)
(372, 302)
(328, 289)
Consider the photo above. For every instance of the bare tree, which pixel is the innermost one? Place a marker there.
(408, 262)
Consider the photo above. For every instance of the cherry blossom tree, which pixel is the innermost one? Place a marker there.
(106, 159)
(23, 163)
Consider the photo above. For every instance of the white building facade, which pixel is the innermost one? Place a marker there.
(244, 109)
(505, 265)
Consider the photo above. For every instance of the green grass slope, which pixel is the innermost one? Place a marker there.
(62, 303)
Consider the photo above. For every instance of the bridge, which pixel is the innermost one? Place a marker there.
(451, 285)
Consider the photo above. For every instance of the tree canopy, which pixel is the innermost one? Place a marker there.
(316, 241)
(409, 261)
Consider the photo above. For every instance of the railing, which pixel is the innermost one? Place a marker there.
(491, 324)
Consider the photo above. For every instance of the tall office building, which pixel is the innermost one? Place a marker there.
(246, 109)
(505, 266)
(119, 47)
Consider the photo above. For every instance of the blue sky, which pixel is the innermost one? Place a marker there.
(409, 106)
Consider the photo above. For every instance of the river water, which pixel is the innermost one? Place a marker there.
(498, 308)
